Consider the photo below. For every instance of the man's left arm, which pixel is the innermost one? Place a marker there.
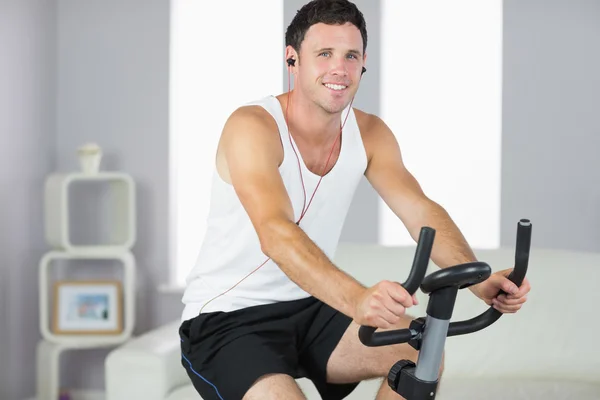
(400, 190)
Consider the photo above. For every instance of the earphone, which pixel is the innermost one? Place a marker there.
(291, 62)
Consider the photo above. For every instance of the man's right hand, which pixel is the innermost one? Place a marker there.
(383, 305)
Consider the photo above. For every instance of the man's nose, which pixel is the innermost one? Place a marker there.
(339, 66)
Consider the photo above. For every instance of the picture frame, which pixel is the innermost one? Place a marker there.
(88, 308)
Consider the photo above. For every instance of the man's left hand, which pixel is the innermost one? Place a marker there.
(512, 301)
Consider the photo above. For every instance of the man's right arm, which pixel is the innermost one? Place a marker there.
(251, 150)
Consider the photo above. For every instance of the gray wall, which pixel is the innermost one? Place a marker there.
(98, 70)
(72, 72)
(27, 140)
(113, 59)
(551, 122)
(113, 74)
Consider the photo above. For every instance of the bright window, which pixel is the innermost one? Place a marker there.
(441, 69)
(221, 57)
(441, 95)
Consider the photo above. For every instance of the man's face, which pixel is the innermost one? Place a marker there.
(331, 59)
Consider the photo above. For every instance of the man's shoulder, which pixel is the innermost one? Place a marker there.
(368, 124)
(249, 129)
(377, 137)
(251, 113)
(251, 117)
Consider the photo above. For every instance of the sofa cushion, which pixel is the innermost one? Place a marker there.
(465, 389)
(186, 392)
(525, 389)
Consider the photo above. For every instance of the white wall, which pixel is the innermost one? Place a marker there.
(27, 138)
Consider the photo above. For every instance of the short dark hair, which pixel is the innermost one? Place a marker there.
(330, 12)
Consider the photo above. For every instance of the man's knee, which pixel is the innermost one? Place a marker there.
(274, 386)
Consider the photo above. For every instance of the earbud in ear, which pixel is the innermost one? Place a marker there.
(363, 70)
(291, 62)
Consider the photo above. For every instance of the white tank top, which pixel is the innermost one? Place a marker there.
(231, 249)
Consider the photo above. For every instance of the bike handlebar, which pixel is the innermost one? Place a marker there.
(369, 337)
(367, 334)
(517, 276)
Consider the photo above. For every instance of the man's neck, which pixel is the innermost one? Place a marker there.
(310, 121)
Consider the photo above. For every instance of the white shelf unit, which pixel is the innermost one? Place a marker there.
(121, 218)
(128, 262)
(57, 202)
(48, 367)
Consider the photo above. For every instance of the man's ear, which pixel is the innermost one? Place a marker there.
(291, 57)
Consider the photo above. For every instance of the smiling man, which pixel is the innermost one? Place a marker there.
(264, 304)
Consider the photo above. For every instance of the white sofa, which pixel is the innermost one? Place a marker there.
(549, 350)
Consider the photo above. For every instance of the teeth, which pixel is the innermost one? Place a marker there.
(335, 87)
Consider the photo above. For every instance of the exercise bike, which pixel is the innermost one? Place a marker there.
(428, 334)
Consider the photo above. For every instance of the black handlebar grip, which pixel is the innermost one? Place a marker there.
(421, 260)
(517, 276)
(522, 252)
(367, 334)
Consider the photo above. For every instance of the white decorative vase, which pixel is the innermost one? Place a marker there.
(89, 156)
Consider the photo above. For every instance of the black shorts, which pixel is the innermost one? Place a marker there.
(224, 353)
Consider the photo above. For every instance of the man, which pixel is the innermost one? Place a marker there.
(264, 303)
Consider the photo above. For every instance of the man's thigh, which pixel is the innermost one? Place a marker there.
(275, 387)
(352, 361)
(238, 369)
(225, 354)
(319, 333)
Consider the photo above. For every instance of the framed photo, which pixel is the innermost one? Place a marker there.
(88, 307)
